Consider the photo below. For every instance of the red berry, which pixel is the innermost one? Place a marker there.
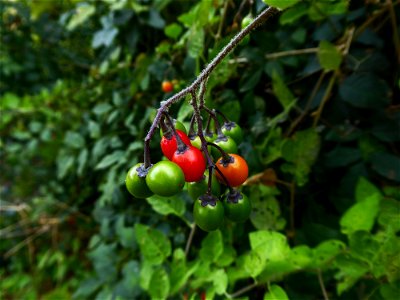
(192, 163)
(169, 146)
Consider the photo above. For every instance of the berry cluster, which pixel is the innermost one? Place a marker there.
(189, 154)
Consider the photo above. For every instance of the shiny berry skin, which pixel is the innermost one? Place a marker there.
(235, 170)
(226, 143)
(237, 207)
(165, 178)
(196, 142)
(192, 163)
(210, 137)
(233, 130)
(135, 184)
(208, 216)
(246, 21)
(169, 146)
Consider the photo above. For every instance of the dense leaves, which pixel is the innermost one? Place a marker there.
(315, 90)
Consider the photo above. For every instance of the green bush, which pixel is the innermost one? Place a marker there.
(315, 89)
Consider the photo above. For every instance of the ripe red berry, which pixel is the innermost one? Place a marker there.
(169, 146)
(192, 163)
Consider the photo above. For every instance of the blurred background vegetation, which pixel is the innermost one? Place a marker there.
(316, 90)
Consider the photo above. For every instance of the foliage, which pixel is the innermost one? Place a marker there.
(316, 91)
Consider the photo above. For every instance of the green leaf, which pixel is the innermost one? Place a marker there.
(389, 214)
(167, 205)
(159, 284)
(350, 270)
(64, 164)
(195, 42)
(272, 245)
(266, 214)
(104, 259)
(250, 79)
(275, 292)
(180, 272)
(329, 56)
(185, 110)
(204, 12)
(270, 253)
(10, 101)
(326, 251)
(94, 129)
(320, 10)
(387, 261)
(134, 146)
(116, 156)
(390, 291)
(363, 246)
(220, 281)
(154, 245)
(198, 15)
(342, 157)
(301, 256)
(371, 92)
(102, 108)
(104, 37)
(131, 277)
(301, 151)
(105, 293)
(57, 293)
(254, 263)
(155, 19)
(212, 246)
(364, 189)
(202, 274)
(74, 140)
(281, 4)
(281, 91)
(35, 127)
(146, 272)
(221, 74)
(173, 30)
(276, 271)
(227, 257)
(81, 14)
(125, 234)
(361, 216)
(386, 165)
(294, 13)
(299, 35)
(188, 18)
(82, 160)
(87, 288)
(234, 110)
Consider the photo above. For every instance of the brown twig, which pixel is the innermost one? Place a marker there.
(190, 239)
(243, 290)
(261, 18)
(322, 285)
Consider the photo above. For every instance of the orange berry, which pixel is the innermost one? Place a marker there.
(167, 86)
